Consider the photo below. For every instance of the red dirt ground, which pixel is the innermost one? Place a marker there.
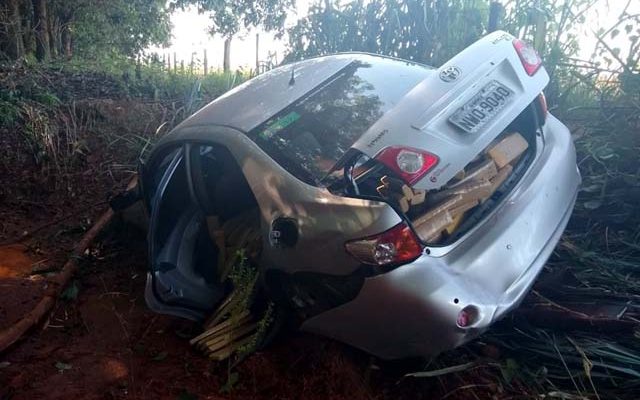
(106, 344)
(102, 342)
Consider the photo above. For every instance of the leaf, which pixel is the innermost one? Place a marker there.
(592, 188)
(614, 33)
(592, 204)
(232, 380)
(509, 370)
(587, 365)
(61, 367)
(606, 154)
(628, 28)
(160, 356)
(71, 292)
(440, 372)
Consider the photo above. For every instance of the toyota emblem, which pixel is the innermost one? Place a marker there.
(450, 74)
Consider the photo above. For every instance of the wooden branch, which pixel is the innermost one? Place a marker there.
(13, 333)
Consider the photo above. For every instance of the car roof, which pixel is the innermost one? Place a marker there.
(265, 95)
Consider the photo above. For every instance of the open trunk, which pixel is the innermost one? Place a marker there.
(450, 149)
(443, 215)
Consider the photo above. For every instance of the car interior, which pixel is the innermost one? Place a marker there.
(198, 190)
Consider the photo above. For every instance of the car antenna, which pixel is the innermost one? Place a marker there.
(292, 81)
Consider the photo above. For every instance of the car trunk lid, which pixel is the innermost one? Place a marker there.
(459, 111)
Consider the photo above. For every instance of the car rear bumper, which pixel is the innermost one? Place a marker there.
(412, 310)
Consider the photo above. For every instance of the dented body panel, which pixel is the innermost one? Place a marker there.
(412, 310)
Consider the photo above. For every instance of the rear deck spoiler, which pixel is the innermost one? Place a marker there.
(421, 120)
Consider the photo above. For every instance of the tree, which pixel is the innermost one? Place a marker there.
(228, 18)
(110, 28)
(43, 44)
(428, 31)
(432, 31)
(551, 27)
(14, 44)
(87, 28)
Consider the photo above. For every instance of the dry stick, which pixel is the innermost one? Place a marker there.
(13, 333)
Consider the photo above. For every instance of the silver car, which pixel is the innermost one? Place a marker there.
(401, 209)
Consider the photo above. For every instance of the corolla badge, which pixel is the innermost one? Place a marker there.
(450, 73)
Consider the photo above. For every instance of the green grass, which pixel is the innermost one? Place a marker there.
(55, 109)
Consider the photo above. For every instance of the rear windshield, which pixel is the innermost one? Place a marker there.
(310, 136)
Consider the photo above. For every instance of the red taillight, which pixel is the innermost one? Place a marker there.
(528, 56)
(410, 164)
(395, 246)
(544, 110)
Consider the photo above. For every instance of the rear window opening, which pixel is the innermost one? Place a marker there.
(312, 135)
(440, 217)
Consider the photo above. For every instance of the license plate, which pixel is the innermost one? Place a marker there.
(483, 107)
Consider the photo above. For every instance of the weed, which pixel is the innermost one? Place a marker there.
(230, 384)
(71, 292)
(46, 98)
(9, 113)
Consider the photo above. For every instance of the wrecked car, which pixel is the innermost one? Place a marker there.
(399, 208)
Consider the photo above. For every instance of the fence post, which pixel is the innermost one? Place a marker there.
(226, 64)
(206, 63)
(138, 68)
(496, 12)
(541, 28)
(257, 53)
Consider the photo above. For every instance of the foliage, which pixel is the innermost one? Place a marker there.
(432, 31)
(55, 110)
(229, 17)
(115, 28)
(428, 31)
(89, 29)
(243, 276)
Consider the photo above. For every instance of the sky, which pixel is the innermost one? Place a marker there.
(190, 36)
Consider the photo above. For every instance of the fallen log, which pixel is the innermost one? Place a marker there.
(12, 334)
